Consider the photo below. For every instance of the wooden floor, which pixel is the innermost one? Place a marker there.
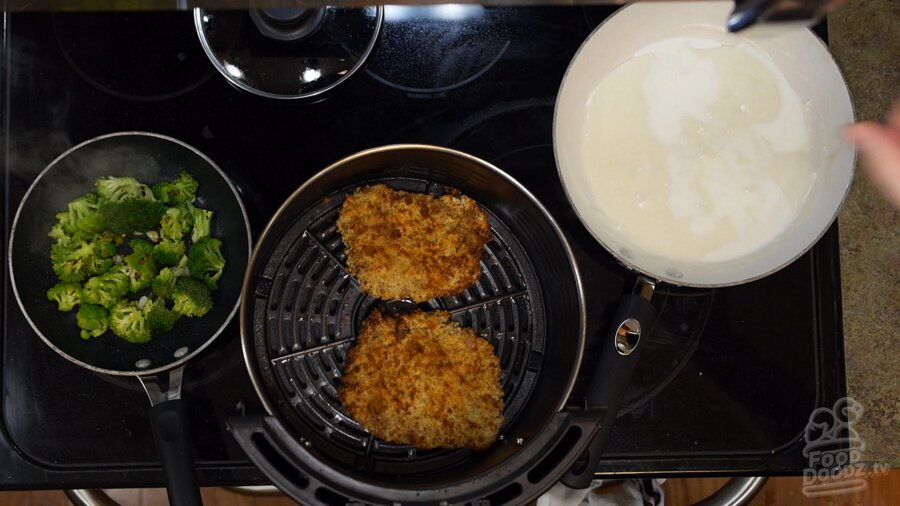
(879, 491)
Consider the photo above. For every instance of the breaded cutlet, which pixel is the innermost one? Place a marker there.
(404, 245)
(421, 379)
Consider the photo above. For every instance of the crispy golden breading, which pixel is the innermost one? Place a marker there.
(403, 245)
(421, 379)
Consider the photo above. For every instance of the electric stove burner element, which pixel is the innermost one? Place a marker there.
(132, 56)
(309, 308)
(436, 49)
(672, 341)
(289, 53)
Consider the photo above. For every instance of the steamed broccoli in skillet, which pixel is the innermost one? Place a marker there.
(123, 257)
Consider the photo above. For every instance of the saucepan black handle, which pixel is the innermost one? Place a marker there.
(175, 447)
(608, 382)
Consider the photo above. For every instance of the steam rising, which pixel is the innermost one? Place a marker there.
(73, 175)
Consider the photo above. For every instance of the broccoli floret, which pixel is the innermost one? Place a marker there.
(93, 319)
(74, 260)
(84, 214)
(176, 222)
(64, 230)
(163, 284)
(141, 246)
(129, 322)
(202, 219)
(65, 226)
(192, 297)
(105, 290)
(181, 189)
(131, 215)
(159, 190)
(65, 265)
(67, 295)
(116, 189)
(105, 244)
(168, 252)
(140, 270)
(205, 261)
(159, 317)
(58, 233)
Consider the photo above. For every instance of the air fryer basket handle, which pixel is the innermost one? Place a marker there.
(611, 378)
(531, 471)
(175, 447)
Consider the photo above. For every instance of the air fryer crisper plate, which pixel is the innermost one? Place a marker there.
(300, 310)
(308, 307)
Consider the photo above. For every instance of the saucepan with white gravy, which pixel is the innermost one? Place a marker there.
(696, 157)
(700, 157)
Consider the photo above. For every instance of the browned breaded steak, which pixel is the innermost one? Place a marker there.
(421, 379)
(403, 245)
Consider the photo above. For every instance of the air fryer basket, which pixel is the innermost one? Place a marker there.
(301, 309)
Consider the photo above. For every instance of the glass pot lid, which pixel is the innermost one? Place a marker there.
(288, 53)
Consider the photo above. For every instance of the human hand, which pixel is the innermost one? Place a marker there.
(879, 149)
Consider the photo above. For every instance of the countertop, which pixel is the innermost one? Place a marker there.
(866, 44)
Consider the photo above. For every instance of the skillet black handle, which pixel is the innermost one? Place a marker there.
(175, 447)
(608, 382)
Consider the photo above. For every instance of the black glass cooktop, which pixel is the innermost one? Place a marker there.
(727, 378)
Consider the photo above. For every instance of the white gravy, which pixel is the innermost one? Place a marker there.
(697, 150)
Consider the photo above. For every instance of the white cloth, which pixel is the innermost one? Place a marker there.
(626, 493)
